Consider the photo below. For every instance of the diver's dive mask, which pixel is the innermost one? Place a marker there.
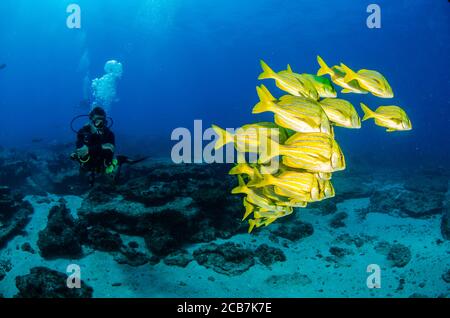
(99, 122)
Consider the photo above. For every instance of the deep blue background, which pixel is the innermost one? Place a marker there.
(199, 59)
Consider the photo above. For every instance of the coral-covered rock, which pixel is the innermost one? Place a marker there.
(60, 239)
(228, 258)
(46, 283)
(14, 214)
(401, 202)
(399, 255)
(294, 230)
(269, 255)
(169, 205)
(5, 267)
(179, 258)
(132, 257)
(446, 276)
(339, 252)
(101, 239)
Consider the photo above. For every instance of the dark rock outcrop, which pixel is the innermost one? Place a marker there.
(338, 220)
(269, 255)
(101, 239)
(5, 267)
(228, 258)
(46, 283)
(133, 257)
(168, 205)
(339, 252)
(15, 214)
(399, 255)
(61, 238)
(407, 203)
(446, 276)
(294, 230)
(180, 258)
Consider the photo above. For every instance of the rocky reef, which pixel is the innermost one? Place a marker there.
(42, 282)
(14, 214)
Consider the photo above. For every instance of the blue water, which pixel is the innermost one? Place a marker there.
(199, 59)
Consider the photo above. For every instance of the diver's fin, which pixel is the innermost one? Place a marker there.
(267, 71)
(367, 112)
(224, 137)
(324, 69)
(350, 75)
(126, 160)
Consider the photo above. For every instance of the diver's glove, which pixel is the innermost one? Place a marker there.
(82, 151)
(112, 166)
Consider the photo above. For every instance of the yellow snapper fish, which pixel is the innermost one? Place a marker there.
(391, 117)
(314, 152)
(255, 197)
(326, 188)
(323, 162)
(337, 75)
(269, 191)
(308, 88)
(298, 185)
(370, 80)
(248, 137)
(243, 168)
(341, 112)
(322, 85)
(285, 81)
(295, 113)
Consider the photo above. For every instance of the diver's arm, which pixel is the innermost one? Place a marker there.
(110, 142)
(82, 148)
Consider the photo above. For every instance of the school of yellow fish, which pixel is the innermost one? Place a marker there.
(301, 138)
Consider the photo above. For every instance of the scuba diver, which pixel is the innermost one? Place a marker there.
(95, 147)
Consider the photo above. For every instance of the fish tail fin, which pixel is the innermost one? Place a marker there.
(368, 113)
(251, 226)
(324, 69)
(267, 93)
(241, 188)
(267, 71)
(266, 180)
(349, 73)
(224, 137)
(269, 220)
(237, 169)
(257, 177)
(248, 209)
(265, 100)
(269, 151)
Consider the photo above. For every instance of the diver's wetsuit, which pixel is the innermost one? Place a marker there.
(99, 158)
